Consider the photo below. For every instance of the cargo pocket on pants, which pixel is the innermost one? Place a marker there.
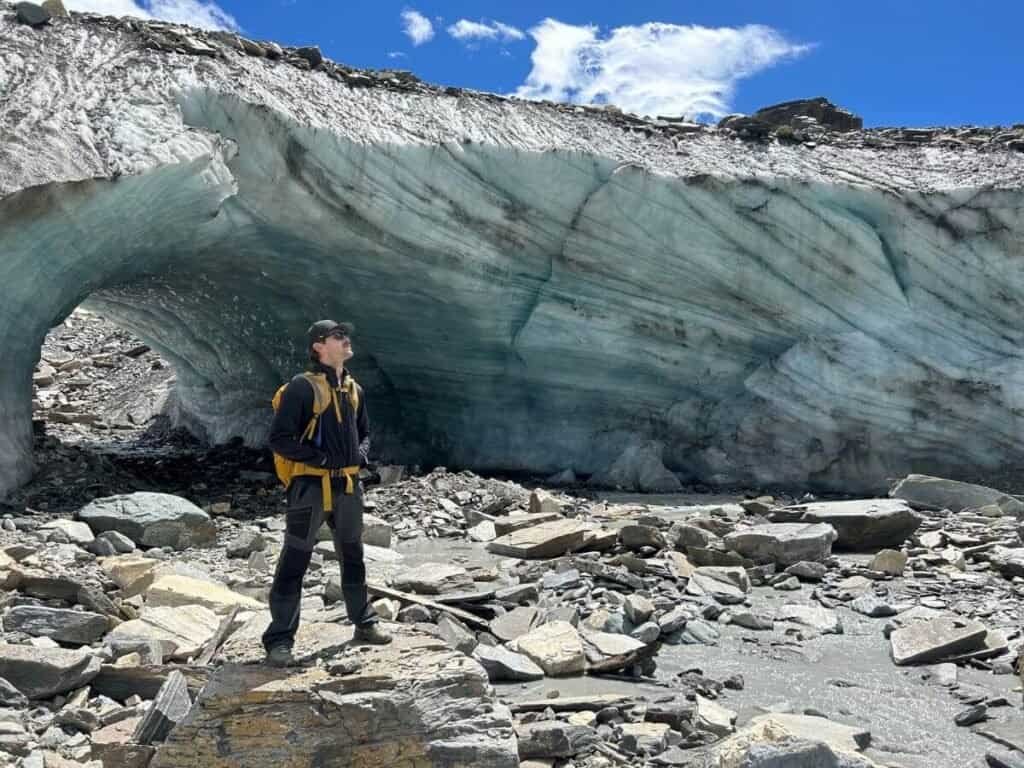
(301, 526)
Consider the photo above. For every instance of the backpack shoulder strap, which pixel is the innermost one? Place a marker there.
(321, 391)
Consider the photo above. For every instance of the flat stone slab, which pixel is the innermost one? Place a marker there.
(555, 647)
(542, 541)
(40, 673)
(927, 492)
(516, 522)
(181, 631)
(513, 624)
(783, 543)
(924, 642)
(824, 620)
(864, 524)
(178, 590)
(64, 626)
(503, 664)
(848, 738)
(414, 702)
(433, 579)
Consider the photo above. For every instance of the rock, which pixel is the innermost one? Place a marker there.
(483, 532)
(1004, 758)
(646, 633)
(750, 620)
(889, 561)
(864, 524)
(555, 647)
(182, 590)
(151, 520)
(807, 571)
(554, 739)
(767, 742)
(638, 608)
(609, 652)
(433, 579)
(260, 716)
(503, 664)
(518, 593)
(971, 715)
(40, 673)
(126, 571)
(77, 532)
(245, 543)
(821, 109)
(31, 14)
(684, 535)
(636, 537)
(168, 709)
(870, 605)
(926, 492)
(644, 738)
(720, 584)
(111, 745)
(517, 521)
(376, 532)
(1009, 561)
(698, 632)
(787, 584)
(513, 624)
(11, 696)
(847, 738)
(675, 619)
(182, 631)
(543, 502)
(64, 626)
(713, 717)
(120, 543)
(561, 580)
(310, 53)
(456, 634)
(923, 642)
(57, 10)
(824, 620)
(783, 543)
(541, 541)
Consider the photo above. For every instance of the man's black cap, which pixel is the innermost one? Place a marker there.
(321, 329)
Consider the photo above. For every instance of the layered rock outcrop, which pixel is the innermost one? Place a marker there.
(535, 286)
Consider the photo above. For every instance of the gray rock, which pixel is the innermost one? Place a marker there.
(376, 532)
(121, 543)
(806, 570)
(787, 584)
(698, 632)
(520, 593)
(923, 642)
(927, 492)
(865, 524)
(636, 537)
(151, 520)
(64, 626)
(559, 580)
(555, 647)
(11, 696)
(503, 664)
(542, 541)
(456, 634)
(554, 739)
(675, 619)
(245, 543)
(638, 608)
(513, 624)
(971, 715)
(823, 620)
(76, 531)
(433, 579)
(646, 633)
(638, 468)
(783, 543)
(751, 620)
(31, 14)
(683, 536)
(40, 673)
(870, 605)
(169, 708)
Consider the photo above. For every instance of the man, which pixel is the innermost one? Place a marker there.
(329, 456)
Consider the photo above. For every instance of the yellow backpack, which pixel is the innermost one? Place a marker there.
(324, 396)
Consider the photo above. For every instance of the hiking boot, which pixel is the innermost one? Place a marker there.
(280, 656)
(371, 634)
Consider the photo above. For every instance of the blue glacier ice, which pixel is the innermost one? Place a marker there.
(535, 286)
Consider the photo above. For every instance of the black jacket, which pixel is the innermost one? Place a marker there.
(335, 444)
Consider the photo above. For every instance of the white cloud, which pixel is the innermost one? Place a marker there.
(653, 68)
(417, 26)
(396, 55)
(464, 29)
(198, 13)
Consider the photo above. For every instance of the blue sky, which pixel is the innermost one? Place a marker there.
(917, 62)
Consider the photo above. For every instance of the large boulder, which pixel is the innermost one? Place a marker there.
(413, 703)
(926, 492)
(151, 520)
(783, 543)
(864, 524)
(923, 642)
(60, 624)
(40, 673)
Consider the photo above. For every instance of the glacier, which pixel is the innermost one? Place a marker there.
(535, 286)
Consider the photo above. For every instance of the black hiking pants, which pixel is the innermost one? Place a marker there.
(304, 518)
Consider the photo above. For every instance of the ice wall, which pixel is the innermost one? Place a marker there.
(536, 287)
